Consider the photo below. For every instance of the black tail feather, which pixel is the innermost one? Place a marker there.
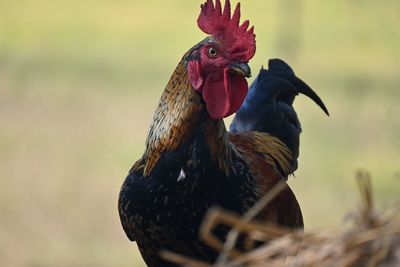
(268, 105)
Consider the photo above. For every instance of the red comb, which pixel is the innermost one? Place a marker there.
(236, 39)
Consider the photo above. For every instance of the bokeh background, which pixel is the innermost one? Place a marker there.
(79, 81)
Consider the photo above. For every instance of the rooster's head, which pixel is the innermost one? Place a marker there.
(217, 66)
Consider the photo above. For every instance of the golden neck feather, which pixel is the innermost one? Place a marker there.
(180, 109)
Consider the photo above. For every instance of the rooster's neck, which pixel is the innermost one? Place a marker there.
(180, 112)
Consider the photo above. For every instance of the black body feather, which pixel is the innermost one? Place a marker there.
(164, 210)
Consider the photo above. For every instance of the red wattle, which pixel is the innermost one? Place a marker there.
(224, 93)
(216, 96)
(239, 87)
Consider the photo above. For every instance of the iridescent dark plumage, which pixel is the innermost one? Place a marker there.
(268, 106)
(192, 163)
(206, 166)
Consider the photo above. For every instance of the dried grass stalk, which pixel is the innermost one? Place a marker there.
(372, 240)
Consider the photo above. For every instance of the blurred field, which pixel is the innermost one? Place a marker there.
(79, 81)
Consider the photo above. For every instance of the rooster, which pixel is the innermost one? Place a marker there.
(191, 162)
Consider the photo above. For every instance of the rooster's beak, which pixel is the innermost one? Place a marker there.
(242, 69)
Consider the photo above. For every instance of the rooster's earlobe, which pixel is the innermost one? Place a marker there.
(195, 77)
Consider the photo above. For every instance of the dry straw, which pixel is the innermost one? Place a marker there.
(369, 238)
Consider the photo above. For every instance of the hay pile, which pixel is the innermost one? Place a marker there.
(370, 238)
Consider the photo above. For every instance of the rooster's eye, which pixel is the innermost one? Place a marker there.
(212, 52)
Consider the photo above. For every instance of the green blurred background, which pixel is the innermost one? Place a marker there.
(79, 81)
